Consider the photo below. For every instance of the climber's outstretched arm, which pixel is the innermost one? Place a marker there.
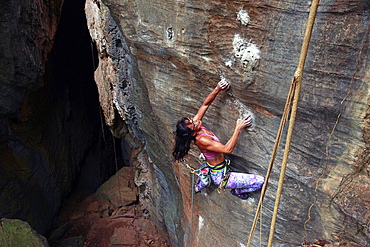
(214, 146)
(221, 86)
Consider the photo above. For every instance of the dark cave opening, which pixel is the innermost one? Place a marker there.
(69, 95)
(70, 67)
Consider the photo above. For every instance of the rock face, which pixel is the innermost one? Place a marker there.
(117, 190)
(158, 60)
(99, 221)
(155, 62)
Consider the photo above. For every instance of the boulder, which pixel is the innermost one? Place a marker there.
(117, 191)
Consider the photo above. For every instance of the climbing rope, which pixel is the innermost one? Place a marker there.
(273, 156)
(331, 134)
(101, 118)
(193, 171)
(293, 97)
(192, 207)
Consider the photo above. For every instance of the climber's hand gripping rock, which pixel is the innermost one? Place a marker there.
(244, 123)
(223, 84)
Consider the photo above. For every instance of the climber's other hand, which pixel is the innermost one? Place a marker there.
(223, 84)
(244, 122)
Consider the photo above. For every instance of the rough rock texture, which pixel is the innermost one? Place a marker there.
(98, 221)
(118, 190)
(19, 233)
(124, 99)
(158, 60)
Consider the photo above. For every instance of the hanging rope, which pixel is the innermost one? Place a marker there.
(101, 118)
(192, 206)
(273, 156)
(193, 171)
(293, 96)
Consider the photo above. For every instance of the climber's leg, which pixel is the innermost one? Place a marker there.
(243, 183)
(216, 176)
(242, 196)
(203, 179)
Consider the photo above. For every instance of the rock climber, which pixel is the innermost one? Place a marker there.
(216, 168)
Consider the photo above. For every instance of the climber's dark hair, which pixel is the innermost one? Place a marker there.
(183, 138)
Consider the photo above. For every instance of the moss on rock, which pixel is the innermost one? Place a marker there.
(15, 232)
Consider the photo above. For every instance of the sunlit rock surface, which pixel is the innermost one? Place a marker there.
(158, 60)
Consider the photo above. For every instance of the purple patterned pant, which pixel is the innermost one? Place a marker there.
(241, 182)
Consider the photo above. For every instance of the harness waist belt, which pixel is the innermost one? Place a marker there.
(220, 166)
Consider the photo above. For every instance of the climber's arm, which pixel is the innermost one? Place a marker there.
(205, 143)
(222, 85)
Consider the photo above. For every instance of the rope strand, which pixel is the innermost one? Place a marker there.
(192, 206)
(193, 171)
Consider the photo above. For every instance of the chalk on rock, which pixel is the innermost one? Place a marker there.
(202, 158)
(243, 17)
(223, 79)
(244, 113)
(247, 52)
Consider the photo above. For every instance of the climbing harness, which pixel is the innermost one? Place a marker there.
(292, 102)
(204, 175)
(225, 176)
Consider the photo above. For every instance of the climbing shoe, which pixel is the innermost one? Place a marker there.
(243, 196)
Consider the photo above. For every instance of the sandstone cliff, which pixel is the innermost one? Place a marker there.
(158, 60)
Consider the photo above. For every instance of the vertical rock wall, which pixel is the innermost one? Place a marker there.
(124, 98)
(160, 59)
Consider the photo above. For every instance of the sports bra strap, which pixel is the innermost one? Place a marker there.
(213, 136)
